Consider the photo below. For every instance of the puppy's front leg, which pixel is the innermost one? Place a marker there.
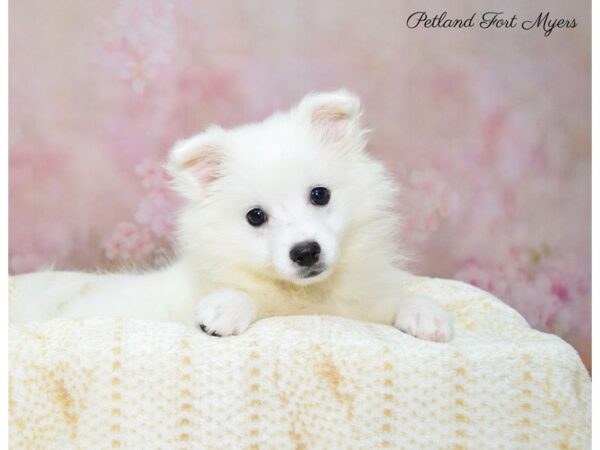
(424, 318)
(225, 312)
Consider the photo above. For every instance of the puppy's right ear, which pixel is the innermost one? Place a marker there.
(197, 161)
(334, 115)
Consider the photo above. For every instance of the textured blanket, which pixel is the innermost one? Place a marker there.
(299, 383)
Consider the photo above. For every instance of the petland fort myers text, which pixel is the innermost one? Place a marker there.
(491, 20)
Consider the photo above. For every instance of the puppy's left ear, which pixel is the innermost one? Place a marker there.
(334, 115)
(197, 162)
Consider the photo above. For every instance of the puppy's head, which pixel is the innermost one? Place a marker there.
(279, 197)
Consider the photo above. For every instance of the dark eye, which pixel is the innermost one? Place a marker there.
(256, 217)
(319, 196)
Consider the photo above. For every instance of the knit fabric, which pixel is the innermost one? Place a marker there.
(299, 382)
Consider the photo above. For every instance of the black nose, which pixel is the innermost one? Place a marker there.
(305, 254)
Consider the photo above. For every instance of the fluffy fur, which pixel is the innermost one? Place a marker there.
(229, 273)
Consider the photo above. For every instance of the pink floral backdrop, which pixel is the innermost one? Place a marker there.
(487, 130)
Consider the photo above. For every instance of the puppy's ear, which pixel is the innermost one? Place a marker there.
(197, 161)
(335, 115)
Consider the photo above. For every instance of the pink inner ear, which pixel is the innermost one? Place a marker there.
(334, 124)
(205, 167)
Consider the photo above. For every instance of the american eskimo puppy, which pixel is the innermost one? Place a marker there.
(286, 216)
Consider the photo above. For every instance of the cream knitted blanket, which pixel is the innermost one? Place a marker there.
(299, 383)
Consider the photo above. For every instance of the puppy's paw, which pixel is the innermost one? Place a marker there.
(425, 319)
(225, 312)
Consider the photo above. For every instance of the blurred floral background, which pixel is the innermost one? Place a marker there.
(487, 130)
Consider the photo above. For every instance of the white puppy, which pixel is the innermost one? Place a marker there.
(286, 216)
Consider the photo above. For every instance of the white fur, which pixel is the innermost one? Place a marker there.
(424, 319)
(236, 273)
(226, 312)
